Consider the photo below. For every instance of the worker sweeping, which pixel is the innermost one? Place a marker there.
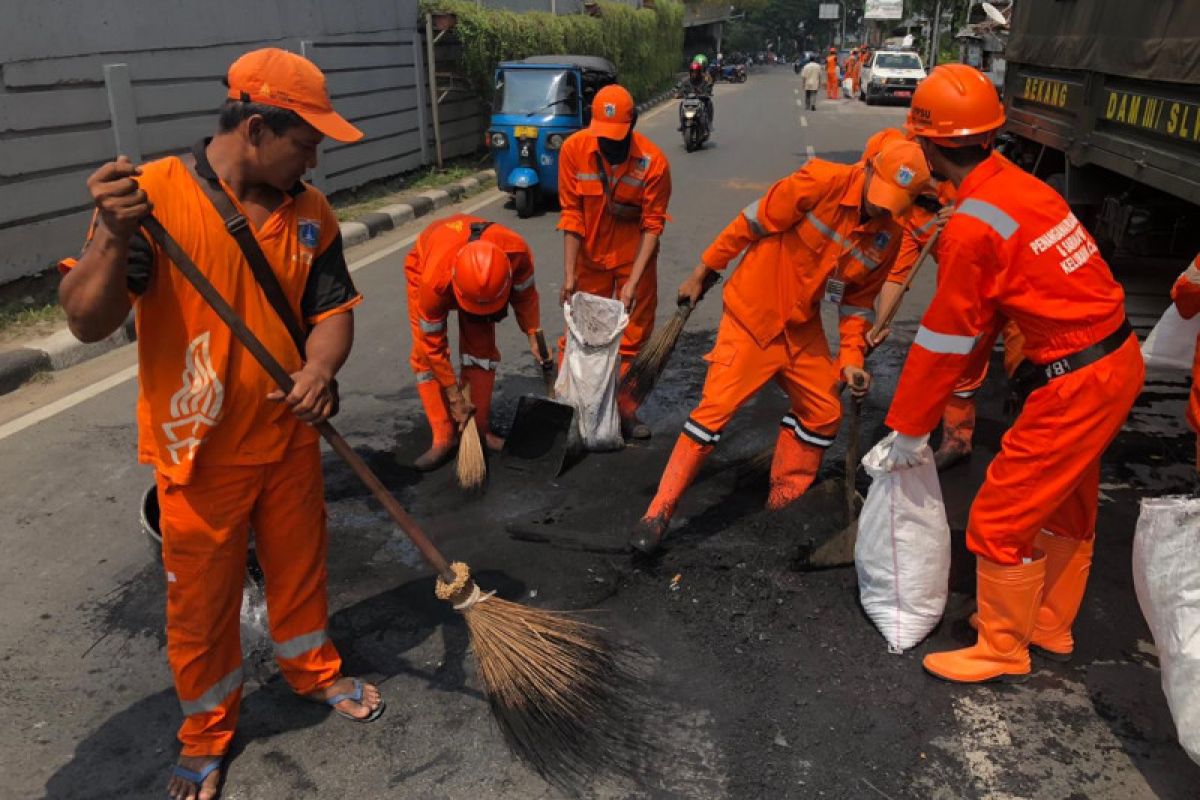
(827, 233)
(831, 75)
(1013, 250)
(1186, 295)
(614, 187)
(230, 451)
(477, 268)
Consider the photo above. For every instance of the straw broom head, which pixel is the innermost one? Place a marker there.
(569, 702)
(471, 465)
(652, 360)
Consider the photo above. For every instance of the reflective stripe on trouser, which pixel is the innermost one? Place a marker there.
(205, 528)
(441, 425)
(481, 382)
(608, 283)
(1047, 472)
(794, 467)
(738, 368)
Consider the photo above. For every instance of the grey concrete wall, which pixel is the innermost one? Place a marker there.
(57, 111)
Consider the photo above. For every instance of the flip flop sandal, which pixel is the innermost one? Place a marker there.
(195, 777)
(356, 696)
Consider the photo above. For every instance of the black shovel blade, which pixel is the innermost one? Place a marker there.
(540, 437)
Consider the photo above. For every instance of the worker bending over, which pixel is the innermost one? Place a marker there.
(829, 232)
(1013, 250)
(478, 268)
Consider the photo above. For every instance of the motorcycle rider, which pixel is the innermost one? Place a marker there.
(700, 84)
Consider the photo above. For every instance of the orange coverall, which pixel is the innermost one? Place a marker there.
(226, 459)
(610, 208)
(806, 230)
(427, 270)
(851, 69)
(831, 77)
(1013, 250)
(1186, 294)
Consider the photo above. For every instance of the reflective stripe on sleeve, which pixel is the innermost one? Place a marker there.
(967, 395)
(211, 699)
(628, 181)
(750, 212)
(990, 215)
(299, 645)
(431, 327)
(523, 285)
(944, 343)
(587, 176)
(697, 432)
(829, 233)
(482, 363)
(804, 434)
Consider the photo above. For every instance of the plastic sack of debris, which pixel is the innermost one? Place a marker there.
(903, 551)
(590, 367)
(1166, 577)
(1172, 343)
(848, 88)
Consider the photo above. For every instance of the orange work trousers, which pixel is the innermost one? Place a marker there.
(205, 528)
(1047, 474)
(799, 361)
(609, 283)
(831, 85)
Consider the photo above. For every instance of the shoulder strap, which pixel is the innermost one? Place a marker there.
(239, 228)
(477, 229)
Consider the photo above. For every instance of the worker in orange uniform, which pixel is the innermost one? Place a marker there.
(230, 451)
(614, 187)
(1013, 250)
(850, 67)
(929, 213)
(859, 62)
(827, 233)
(477, 267)
(1186, 294)
(831, 75)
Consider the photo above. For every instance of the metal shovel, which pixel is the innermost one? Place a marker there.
(543, 432)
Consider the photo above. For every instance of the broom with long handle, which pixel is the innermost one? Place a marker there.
(560, 691)
(649, 364)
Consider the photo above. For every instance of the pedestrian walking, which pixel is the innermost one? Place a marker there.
(810, 78)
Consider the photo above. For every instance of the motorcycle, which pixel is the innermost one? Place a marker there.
(733, 73)
(693, 122)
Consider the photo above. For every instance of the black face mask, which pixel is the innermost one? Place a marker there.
(616, 151)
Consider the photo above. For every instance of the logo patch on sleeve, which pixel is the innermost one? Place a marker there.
(881, 240)
(308, 231)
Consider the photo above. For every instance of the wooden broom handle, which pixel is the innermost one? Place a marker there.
(890, 315)
(284, 379)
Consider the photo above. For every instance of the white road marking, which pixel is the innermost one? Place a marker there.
(64, 403)
(799, 102)
(803, 122)
(810, 151)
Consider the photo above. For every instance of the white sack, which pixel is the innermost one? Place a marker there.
(1166, 576)
(591, 364)
(1172, 343)
(903, 551)
(848, 88)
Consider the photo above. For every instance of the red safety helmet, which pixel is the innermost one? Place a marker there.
(956, 106)
(481, 277)
(696, 67)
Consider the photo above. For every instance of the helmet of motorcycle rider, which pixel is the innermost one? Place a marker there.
(701, 59)
(695, 69)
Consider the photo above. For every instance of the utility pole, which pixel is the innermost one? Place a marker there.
(935, 29)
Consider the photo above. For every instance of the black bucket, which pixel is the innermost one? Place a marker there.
(148, 515)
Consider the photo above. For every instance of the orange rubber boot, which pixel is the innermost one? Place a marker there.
(958, 429)
(1068, 563)
(793, 469)
(627, 407)
(481, 382)
(1009, 598)
(441, 424)
(681, 470)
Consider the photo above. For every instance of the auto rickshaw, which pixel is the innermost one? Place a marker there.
(538, 103)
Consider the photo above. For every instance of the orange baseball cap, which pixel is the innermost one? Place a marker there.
(278, 78)
(612, 112)
(899, 173)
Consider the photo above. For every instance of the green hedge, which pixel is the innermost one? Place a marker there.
(644, 44)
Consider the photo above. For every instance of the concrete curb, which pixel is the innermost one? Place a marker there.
(60, 349)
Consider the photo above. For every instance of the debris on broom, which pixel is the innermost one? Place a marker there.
(569, 699)
(471, 466)
(646, 369)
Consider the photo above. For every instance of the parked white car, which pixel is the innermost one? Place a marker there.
(891, 74)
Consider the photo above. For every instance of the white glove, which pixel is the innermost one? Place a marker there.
(904, 452)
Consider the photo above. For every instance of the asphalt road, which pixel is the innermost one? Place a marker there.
(772, 682)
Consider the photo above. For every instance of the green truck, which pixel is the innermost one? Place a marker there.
(1103, 103)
